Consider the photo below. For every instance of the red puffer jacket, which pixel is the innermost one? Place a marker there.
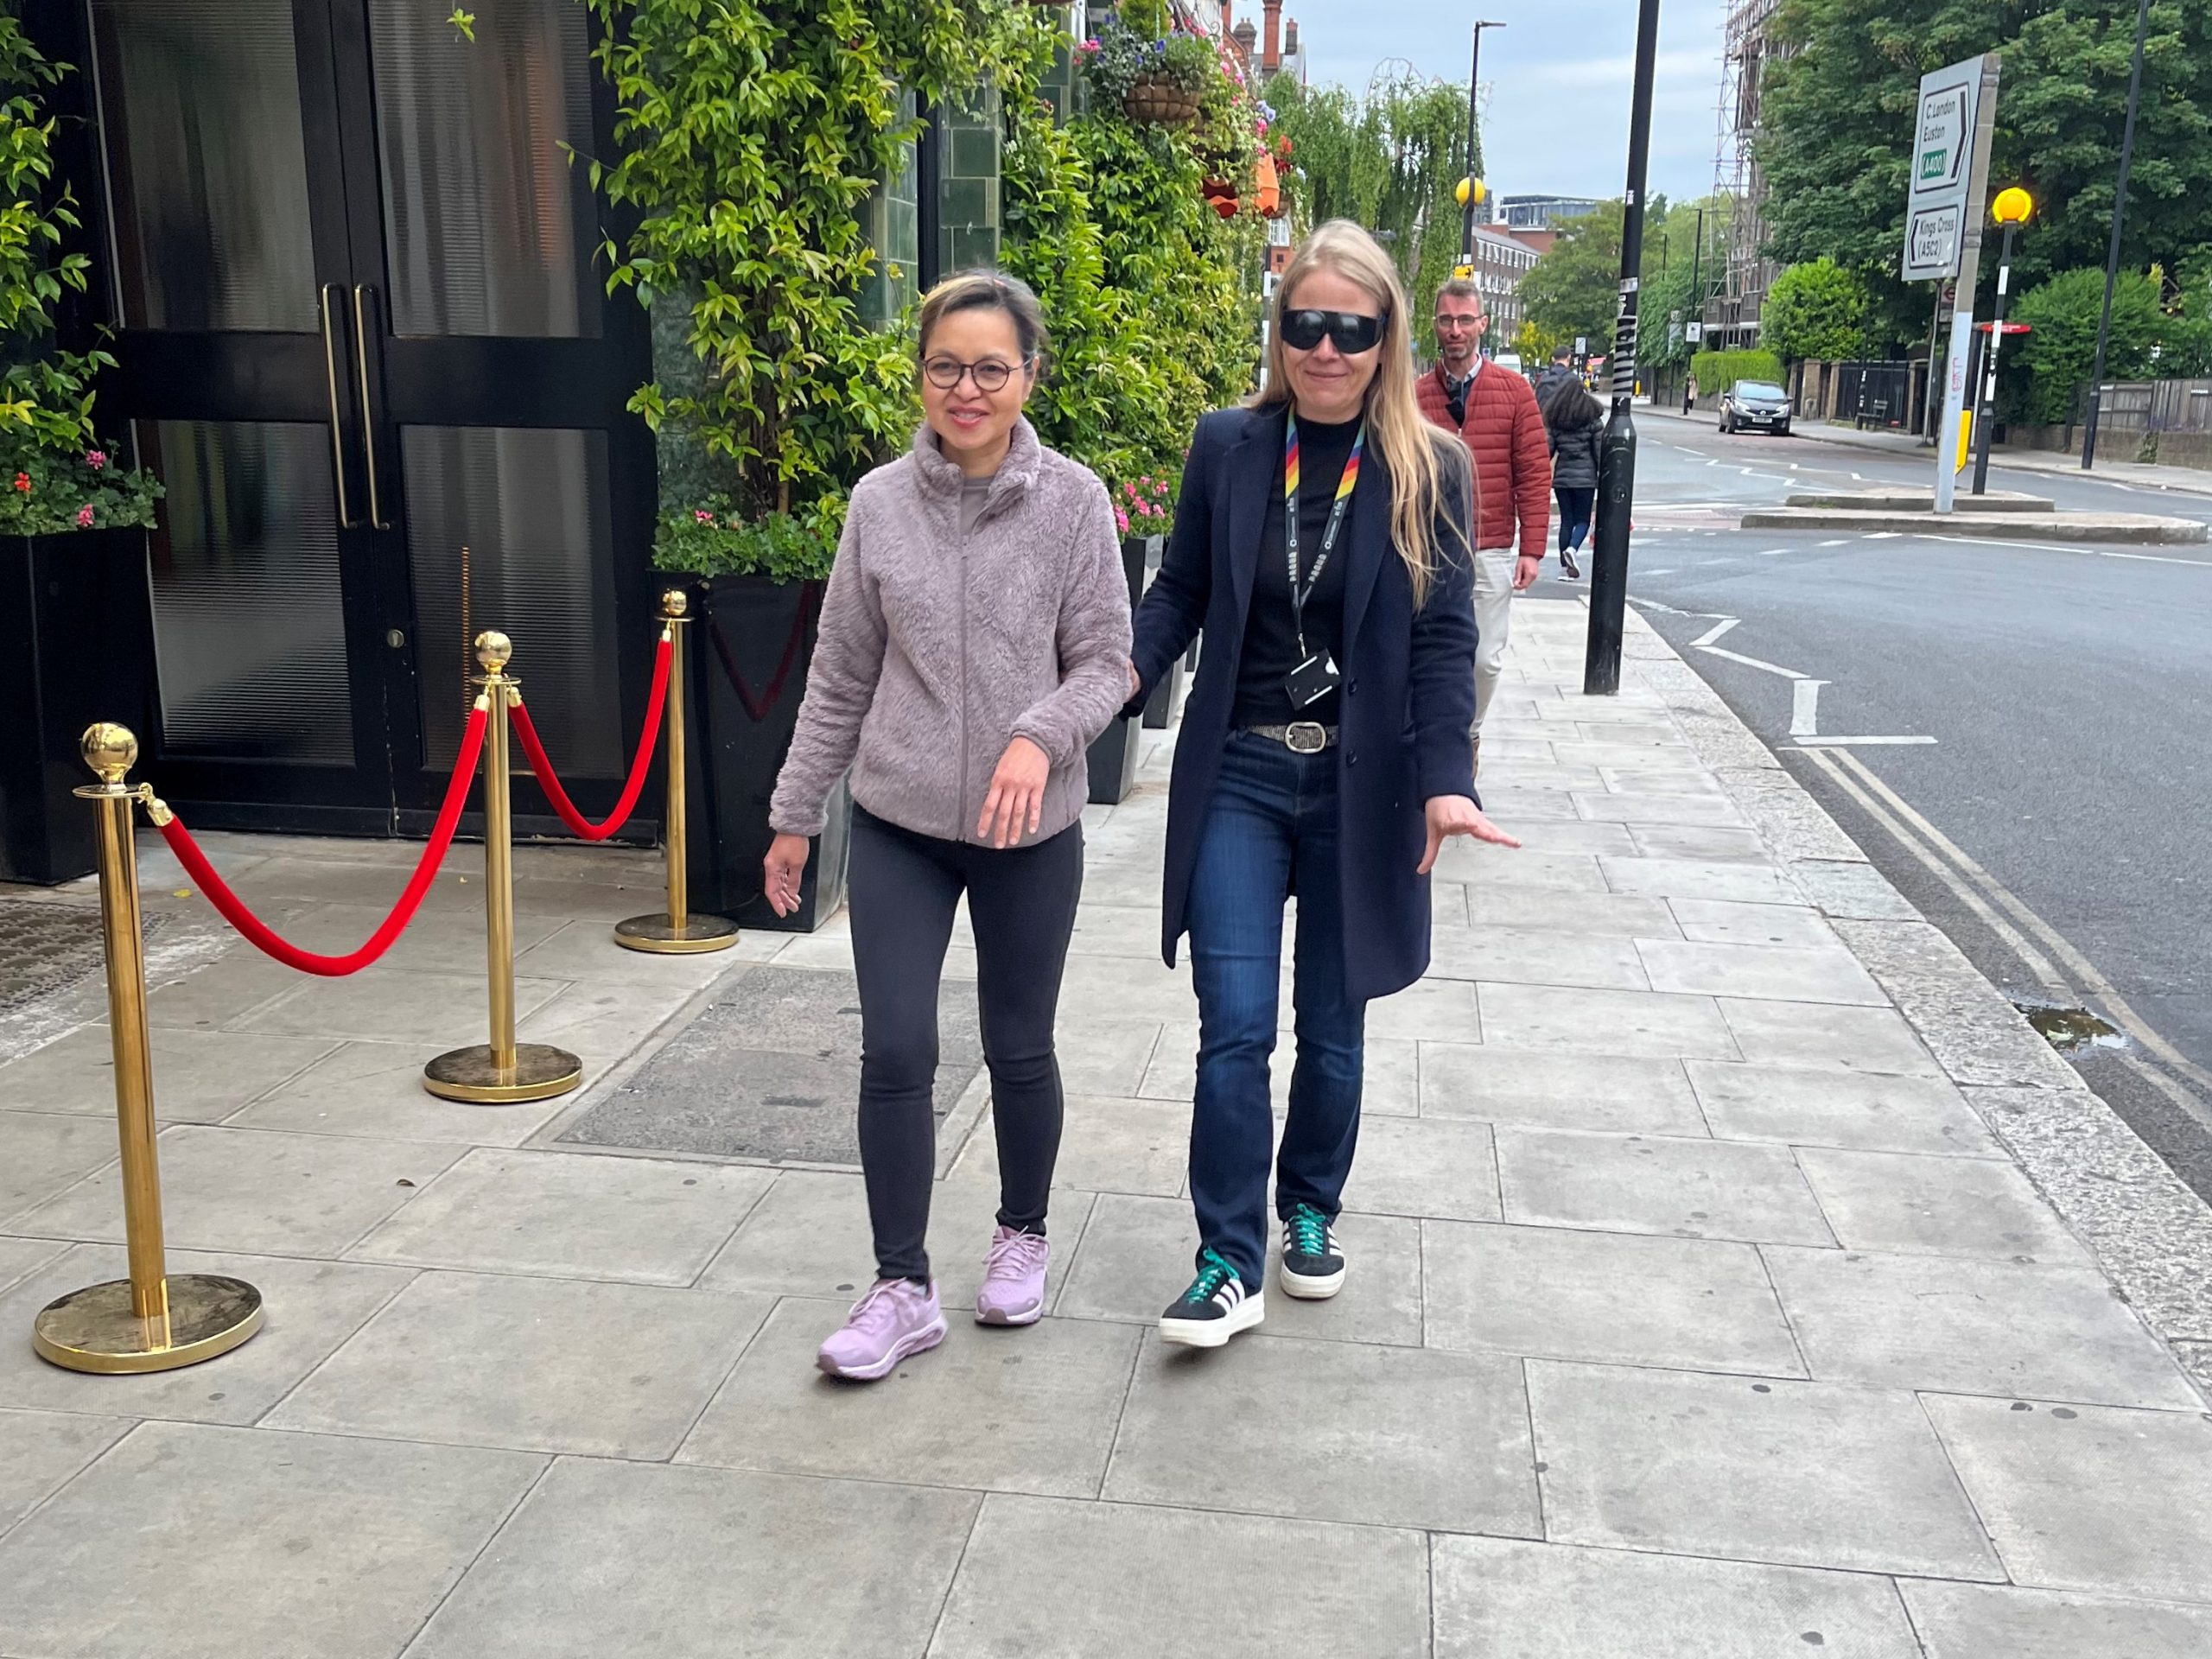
(1505, 433)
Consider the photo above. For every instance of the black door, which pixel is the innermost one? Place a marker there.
(365, 342)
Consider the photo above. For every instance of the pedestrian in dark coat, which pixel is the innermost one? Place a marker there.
(1576, 421)
(1324, 543)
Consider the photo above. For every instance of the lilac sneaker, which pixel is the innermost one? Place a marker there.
(896, 1321)
(1014, 1278)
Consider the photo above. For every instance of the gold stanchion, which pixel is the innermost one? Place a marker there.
(501, 1071)
(150, 1321)
(675, 931)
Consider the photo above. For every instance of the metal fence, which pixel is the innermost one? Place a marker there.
(1874, 394)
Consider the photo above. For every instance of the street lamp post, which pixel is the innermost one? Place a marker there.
(1470, 198)
(2111, 254)
(2010, 209)
(1601, 658)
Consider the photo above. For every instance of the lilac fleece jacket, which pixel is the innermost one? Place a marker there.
(936, 649)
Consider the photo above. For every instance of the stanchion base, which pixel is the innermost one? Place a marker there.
(94, 1329)
(664, 937)
(472, 1074)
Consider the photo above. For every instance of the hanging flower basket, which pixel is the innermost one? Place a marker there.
(1160, 101)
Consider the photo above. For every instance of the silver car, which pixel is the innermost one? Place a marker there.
(1759, 405)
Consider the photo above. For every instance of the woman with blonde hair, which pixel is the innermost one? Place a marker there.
(1322, 545)
(973, 641)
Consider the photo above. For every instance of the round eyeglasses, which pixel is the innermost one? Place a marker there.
(990, 375)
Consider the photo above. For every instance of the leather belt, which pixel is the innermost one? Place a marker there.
(1299, 737)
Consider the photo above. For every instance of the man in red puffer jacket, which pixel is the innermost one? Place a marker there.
(1495, 414)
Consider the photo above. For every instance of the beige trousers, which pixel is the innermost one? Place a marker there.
(1493, 619)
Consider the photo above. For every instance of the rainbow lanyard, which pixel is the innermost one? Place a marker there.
(1301, 592)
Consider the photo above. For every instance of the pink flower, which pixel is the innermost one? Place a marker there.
(96, 459)
(23, 482)
(702, 515)
(1121, 521)
(84, 516)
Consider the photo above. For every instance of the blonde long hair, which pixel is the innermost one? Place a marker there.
(1415, 452)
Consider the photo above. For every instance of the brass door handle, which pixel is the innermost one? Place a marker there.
(368, 416)
(346, 519)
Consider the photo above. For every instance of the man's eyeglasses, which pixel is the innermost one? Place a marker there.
(1353, 331)
(1456, 322)
(990, 375)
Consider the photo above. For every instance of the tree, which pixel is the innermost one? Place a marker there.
(1817, 309)
(2053, 361)
(1573, 289)
(1837, 103)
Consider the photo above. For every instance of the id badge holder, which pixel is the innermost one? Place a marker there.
(1312, 680)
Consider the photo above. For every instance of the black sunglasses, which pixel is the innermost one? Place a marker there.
(1353, 331)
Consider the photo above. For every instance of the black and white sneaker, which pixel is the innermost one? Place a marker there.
(1313, 1260)
(1214, 1309)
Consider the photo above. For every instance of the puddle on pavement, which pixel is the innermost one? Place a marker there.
(2071, 1030)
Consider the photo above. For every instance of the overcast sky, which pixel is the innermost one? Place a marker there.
(1560, 74)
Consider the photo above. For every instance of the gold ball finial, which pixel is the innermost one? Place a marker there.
(492, 650)
(109, 750)
(674, 602)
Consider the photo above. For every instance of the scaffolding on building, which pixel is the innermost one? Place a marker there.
(1741, 273)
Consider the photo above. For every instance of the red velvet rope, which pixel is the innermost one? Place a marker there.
(548, 780)
(257, 932)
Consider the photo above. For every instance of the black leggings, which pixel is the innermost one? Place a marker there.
(1021, 900)
(1574, 504)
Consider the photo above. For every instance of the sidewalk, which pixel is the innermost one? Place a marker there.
(2187, 480)
(1733, 1275)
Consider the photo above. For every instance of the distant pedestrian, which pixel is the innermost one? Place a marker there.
(978, 588)
(1689, 394)
(1575, 421)
(1494, 411)
(1557, 373)
(1321, 542)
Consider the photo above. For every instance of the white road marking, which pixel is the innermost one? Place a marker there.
(1770, 552)
(1751, 662)
(2094, 983)
(1716, 630)
(1861, 742)
(2086, 552)
(1881, 536)
(1843, 542)
(1805, 707)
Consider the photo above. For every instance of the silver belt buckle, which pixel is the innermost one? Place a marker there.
(1305, 737)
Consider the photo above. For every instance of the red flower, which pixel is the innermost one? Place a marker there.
(96, 459)
(23, 482)
(84, 516)
(702, 515)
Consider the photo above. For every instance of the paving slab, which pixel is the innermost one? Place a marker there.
(1653, 1184)
(1459, 860)
(1944, 1206)
(1114, 1570)
(1974, 1621)
(200, 1077)
(20, 1257)
(1103, 1057)
(2083, 1498)
(1864, 1110)
(1536, 956)
(1972, 1327)
(1824, 1034)
(1851, 888)
(1429, 1010)
(1675, 1303)
(1106, 1146)
(256, 1191)
(1770, 972)
(1419, 1438)
(1801, 1474)
(309, 1308)
(1701, 843)
(1609, 915)
(392, 1007)
(1659, 1024)
(1682, 878)
(224, 990)
(1424, 1166)
(1016, 1410)
(41, 1449)
(45, 1154)
(1649, 805)
(687, 1563)
(1562, 1091)
(370, 1534)
(565, 1215)
(594, 1369)
(1499, 1599)
(375, 1090)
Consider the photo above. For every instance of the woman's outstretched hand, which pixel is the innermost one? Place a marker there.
(780, 871)
(1016, 802)
(1455, 814)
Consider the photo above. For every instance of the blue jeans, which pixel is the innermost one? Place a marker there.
(1575, 505)
(1270, 834)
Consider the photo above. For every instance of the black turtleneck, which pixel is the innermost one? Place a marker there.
(1270, 642)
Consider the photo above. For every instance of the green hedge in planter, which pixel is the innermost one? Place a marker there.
(1715, 371)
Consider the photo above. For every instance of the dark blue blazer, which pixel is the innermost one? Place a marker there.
(1409, 696)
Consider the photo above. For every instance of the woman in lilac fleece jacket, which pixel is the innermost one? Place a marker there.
(975, 639)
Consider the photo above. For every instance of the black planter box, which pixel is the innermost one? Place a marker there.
(747, 660)
(67, 658)
(1115, 753)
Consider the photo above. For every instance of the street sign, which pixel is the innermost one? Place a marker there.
(1937, 213)
(1581, 344)
(1694, 333)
